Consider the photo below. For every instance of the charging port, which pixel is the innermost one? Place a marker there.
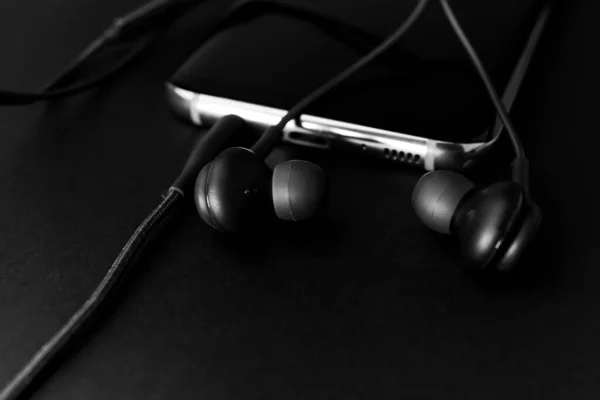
(307, 139)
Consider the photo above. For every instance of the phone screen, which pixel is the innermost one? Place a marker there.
(424, 86)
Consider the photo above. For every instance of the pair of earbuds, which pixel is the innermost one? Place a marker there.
(237, 191)
(493, 224)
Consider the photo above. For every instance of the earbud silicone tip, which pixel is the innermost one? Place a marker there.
(300, 190)
(200, 199)
(436, 196)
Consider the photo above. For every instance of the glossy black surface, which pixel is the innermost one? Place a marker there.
(485, 220)
(371, 304)
(233, 193)
(526, 234)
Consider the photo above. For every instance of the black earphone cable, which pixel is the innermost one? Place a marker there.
(90, 51)
(14, 98)
(520, 164)
(268, 139)
(204, 150)
(352, 36)
(57, 342)
(139, 26)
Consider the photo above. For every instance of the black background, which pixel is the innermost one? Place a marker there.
(368, 305)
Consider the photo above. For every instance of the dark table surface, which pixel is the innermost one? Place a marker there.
(371, 305)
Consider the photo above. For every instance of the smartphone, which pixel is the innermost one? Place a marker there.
(440, 118)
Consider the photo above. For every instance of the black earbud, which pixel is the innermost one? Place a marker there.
(493, 224)
(237, 191)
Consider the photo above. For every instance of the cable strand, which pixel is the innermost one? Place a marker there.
(143, 24)
(477, 63)
(352, 36)
(48, 352)
(21, 98)
(272, 134)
